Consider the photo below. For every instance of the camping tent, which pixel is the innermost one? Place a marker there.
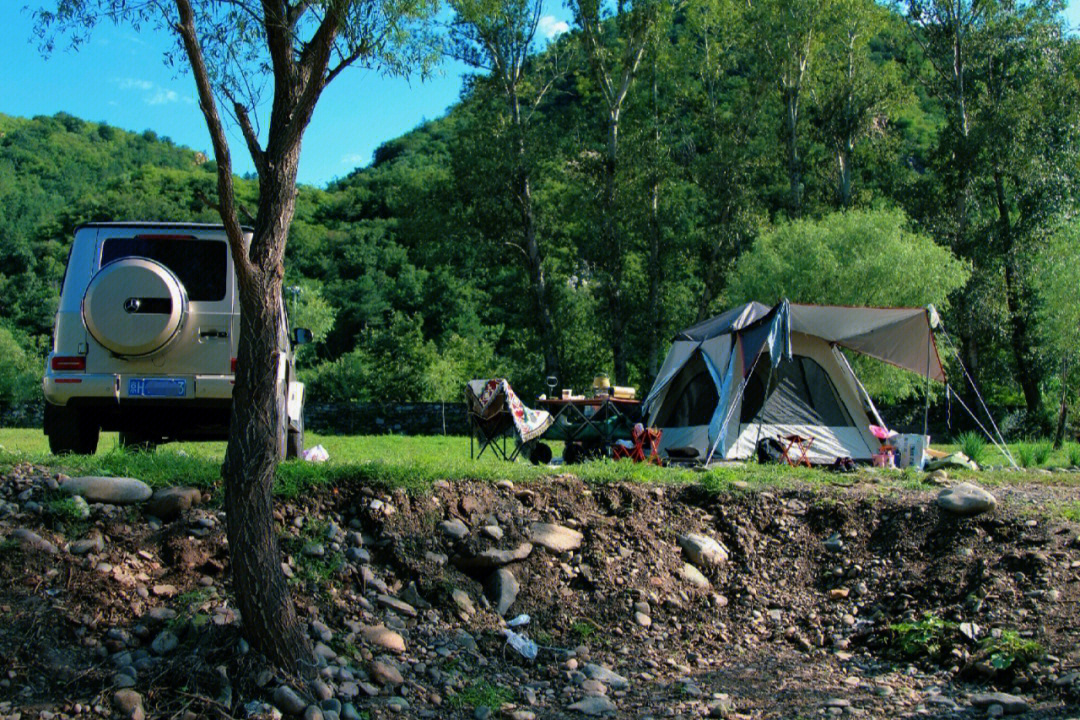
(757, 372)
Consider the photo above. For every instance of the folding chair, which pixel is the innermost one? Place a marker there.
(641, 436)
(489, 426)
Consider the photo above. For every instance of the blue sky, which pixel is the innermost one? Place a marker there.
(119, 77)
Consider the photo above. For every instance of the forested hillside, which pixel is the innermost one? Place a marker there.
(581, 205)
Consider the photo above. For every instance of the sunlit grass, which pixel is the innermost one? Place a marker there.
(415, 463)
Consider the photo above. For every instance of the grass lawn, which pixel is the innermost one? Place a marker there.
(416, 462)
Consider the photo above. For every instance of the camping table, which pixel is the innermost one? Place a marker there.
(799, 444)
(610, 419)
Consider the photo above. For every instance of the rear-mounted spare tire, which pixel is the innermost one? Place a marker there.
(134, 306)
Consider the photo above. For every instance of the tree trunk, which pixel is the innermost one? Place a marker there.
(1018, 324)
(548, 337)
(794, 162)
(255, 443)
(611, 246)
(654, 319)
(1063, 413)
(534, 260)
(844, 151)
(257, 428)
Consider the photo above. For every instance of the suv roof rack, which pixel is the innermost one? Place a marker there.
(160, 225)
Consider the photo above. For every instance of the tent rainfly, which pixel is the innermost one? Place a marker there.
(757, 372)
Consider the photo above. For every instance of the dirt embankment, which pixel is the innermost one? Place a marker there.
(644, 601)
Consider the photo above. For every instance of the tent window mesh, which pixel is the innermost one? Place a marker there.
(800, 393)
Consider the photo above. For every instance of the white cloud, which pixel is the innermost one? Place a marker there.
(163, 96)
(135, 84)
(551, 27)
(353, 159)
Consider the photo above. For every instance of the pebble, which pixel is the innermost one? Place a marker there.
(594, 705)
(383, 637)
(1011, 704)
(692, 575)
(289, 701)
(454, 529)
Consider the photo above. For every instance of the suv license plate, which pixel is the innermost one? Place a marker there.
(157, 387)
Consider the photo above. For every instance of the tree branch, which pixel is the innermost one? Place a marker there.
(186, 28)
(250, 136)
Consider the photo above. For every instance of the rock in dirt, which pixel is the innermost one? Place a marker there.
(128, 704)
(169, 503)
(32, 541)
(109, 490)
(1012, 704)
(464, 602)
(399, 606)
(383, 637)
(612, 679)
(594, 705)
(454, 529)
(693, 576)
(164, 643)
(92, 543)
(966, 499)
(502, 587)
(289, 701)
(491, 559)
(702, 550)
(555, 537)
(385, 674)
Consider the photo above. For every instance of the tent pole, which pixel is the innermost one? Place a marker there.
(731, 409)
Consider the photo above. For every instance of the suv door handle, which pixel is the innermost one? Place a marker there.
(213, 334)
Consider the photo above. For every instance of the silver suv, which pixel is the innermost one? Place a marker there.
(145, 340)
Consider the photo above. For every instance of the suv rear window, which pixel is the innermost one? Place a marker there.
(200, 265)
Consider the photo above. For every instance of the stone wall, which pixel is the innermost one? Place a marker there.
(383, 418)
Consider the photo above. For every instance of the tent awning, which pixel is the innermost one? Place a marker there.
(899, 336)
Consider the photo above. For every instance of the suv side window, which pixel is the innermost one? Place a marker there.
(200, 265)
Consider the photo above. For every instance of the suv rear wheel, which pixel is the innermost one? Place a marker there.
(70, 432)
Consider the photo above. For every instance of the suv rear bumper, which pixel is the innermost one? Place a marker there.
(62, 388)
(100, 398)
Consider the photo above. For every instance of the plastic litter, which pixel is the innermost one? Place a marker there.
(316, 454)
(522, 619)
(526, 647)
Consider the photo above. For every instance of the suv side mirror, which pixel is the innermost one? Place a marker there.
(301, 336)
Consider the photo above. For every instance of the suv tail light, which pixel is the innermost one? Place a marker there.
(77, 362)
(232, 365)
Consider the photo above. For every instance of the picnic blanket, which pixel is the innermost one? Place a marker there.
(530, 424)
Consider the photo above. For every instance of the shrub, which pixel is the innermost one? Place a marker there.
(973, 445)
(1025, 454)
(1072, 450)
(1005, 648)
(1041, 451)
(930, 637)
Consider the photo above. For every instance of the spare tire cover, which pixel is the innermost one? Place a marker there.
(134, 306)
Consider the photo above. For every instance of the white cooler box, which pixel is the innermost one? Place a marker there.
(910, 450)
